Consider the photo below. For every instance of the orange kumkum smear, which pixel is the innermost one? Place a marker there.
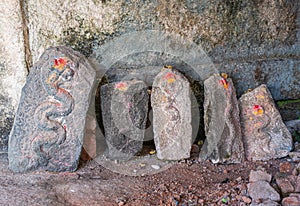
(122, 86)
(258, 110)
(170, 77)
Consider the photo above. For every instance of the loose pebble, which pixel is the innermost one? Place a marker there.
(246, 199)
(156, 167)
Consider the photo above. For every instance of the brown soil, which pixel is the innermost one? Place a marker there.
(188, 182)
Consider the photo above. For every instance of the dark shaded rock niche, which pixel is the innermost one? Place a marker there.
(145, 67)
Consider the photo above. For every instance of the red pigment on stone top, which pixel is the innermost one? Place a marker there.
(257, 109)
(121, 86)
(59, 63)
(224, 82)
(170, 77)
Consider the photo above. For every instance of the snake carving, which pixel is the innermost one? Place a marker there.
(170, 109)
(49, 115)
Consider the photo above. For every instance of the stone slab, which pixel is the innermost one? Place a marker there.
(171, 104)
(222, 123)
(264, 134)
(49, 125)
(124, 108)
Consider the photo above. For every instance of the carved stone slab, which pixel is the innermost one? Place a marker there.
(171, 105)
(50, 121)
(124, 112)
(264, 133)
(222, 122)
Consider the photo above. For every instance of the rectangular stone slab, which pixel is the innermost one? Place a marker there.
(264, 134)
(49, 125)
(124, 108)
(222, 122)
(171, 104)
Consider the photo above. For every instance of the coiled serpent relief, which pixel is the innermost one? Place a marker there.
(168, 105)
(49, 115)
(263, 131)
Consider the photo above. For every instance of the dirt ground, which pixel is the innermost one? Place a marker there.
(187, 182)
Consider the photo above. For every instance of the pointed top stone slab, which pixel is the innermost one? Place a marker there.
(124, 112)
(49, 125)
(222, 124)
(264, 133)
(171, 104)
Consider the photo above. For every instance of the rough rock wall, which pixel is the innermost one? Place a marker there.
(12, 65)
(255, 42)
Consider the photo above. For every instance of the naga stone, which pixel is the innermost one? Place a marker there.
(49, 125)
(124, 108)
(265, 135)
(172, 118)
(223, 142)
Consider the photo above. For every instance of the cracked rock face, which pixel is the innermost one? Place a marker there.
(49, 124)
(222, 125)
(264, 134)
(124, 112)
(171, 104)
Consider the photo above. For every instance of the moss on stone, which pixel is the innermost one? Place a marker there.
(83, 37)
(289, 109)
(285, 103)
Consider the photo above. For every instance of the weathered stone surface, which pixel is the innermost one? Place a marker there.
(288, 183)
(254, 41)
(289, 109)
(286, 167)
(89, 141)
(266, 203)
(258, 39)
(75, 23)
(265, 135)
(6, 122)
(297, 184)
(124, 112)
(294, 128)
(49, 125)
(261, 191)
(292, 200)
(12, 65)
(259, 175)
(280, 75)
(295, 156)
(172, 117)
(285, 185)
(222, 122)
